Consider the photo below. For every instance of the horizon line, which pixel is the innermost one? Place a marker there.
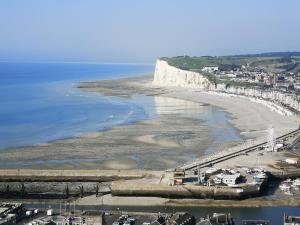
(77, 62)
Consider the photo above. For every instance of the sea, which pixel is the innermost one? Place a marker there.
(39, 103)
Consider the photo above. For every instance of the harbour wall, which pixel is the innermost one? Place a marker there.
(285, 174)
(183, 191)
(26, 183)
(29, 175)
(51, 189)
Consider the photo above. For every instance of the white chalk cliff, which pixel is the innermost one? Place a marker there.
(166, 75)
(169, 76)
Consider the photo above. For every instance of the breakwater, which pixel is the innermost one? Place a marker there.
(24, 183)
(51, 189)
(30, 175)
(184, 191)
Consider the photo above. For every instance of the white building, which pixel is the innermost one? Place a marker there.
(210, 69)
(291, 220)
(228, 179)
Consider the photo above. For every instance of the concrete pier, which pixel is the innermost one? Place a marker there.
(183, 191)
(29, 175)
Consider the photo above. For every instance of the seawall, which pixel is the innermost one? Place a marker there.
(28, 183)
(183, 191)
(31, 175)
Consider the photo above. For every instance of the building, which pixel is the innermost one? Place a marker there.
(228, 179)
(182, 219)
(11, 213)
(47, 220)
(210, 69)
(295, 161)
(291, 220)
(217, 219)
(160, 221)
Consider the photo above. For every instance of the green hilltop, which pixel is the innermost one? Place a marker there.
(273, 62)
(287, 61)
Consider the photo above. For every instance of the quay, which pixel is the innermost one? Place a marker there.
(187, 181)
(27, 183)
(71, 214)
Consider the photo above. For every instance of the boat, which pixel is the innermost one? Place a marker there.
(261, 175)
(285, 187)
(288, 192)
(296, 183)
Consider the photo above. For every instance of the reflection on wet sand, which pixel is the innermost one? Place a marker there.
(182, 131)
(166, 105)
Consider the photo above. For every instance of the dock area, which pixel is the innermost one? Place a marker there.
(238, 173)
(247, 147)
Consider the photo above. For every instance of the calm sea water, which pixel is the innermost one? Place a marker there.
(38, 102)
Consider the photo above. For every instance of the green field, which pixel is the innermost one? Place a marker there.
(197, 63)
(270, 62)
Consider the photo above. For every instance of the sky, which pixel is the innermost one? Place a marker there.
(143, 30)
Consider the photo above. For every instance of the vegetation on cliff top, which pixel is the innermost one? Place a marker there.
(270, 62)
(197, 63)
(227, 63)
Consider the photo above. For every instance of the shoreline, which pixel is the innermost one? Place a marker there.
(236, 113)
(159, 135)
(251, 124)
(156, 131)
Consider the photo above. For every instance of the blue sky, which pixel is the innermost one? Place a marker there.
(141, 31)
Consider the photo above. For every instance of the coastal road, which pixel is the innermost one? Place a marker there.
(225, 155)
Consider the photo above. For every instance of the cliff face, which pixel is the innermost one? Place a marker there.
(169, 76)
(291, 101)
(166, 75)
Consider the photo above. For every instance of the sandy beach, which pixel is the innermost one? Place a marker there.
(251, 118)
(168, 140)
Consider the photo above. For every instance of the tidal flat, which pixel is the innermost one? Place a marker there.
(187, 125)
(180, 131)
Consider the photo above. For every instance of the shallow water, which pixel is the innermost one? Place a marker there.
(40, 104)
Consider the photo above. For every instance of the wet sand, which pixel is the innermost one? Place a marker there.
(116, 201)
(115, 148)
(159, 143)
(252, 119)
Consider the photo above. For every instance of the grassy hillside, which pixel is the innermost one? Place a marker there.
(270, 62)
(197, 63)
